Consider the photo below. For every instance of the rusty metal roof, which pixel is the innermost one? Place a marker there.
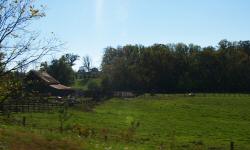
(60, 87)
(49, 80)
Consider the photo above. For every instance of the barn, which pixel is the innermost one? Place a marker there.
(42, 82)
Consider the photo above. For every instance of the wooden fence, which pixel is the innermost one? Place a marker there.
(29, 107)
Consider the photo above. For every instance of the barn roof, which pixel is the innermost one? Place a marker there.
(60, 87)
(46, 77)
(49, 80)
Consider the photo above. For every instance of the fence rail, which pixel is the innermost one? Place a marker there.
(30, 107)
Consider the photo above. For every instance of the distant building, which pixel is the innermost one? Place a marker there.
(124, 94)
(42, 82)
(93, 73)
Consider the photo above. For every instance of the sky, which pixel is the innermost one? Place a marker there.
(88, 26)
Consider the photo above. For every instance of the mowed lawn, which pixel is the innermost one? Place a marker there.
(165, 122)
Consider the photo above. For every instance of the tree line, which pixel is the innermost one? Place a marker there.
(178, 68)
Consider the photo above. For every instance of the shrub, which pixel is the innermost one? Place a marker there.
(104, 133)
(130, 132)
(63, 117)
(94, 90)
(83, 131)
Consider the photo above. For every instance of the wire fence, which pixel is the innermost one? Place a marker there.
(29, 107)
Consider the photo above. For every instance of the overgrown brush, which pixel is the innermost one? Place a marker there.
(63, 117)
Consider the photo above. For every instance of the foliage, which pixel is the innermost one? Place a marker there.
(63, 116)
(93, 85)
(86, 63)
(11, 87)
(61, 68)
(178, 68)
(83, 131)
(94, 89)
(87, 84)
(129, 133)
(19, 46)
(70, 59)
(86, 70)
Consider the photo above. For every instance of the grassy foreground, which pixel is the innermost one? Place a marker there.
(160, 122)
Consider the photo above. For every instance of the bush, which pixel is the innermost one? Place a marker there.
(94, 90)
(130, 132)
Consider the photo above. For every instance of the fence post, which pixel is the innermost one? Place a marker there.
(231, 145)
(24, 121)
(8, 114)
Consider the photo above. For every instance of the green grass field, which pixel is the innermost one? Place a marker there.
(165, 122)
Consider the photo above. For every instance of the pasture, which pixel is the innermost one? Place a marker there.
(147, 122)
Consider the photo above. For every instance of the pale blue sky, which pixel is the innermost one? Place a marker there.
(88, 26)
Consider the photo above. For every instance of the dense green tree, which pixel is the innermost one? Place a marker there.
(178, 67)
(61, 69)
(70, 59)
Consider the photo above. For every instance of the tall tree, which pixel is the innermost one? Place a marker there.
(61, 69)
(70, 59)
(18, 44)
(86, 63)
